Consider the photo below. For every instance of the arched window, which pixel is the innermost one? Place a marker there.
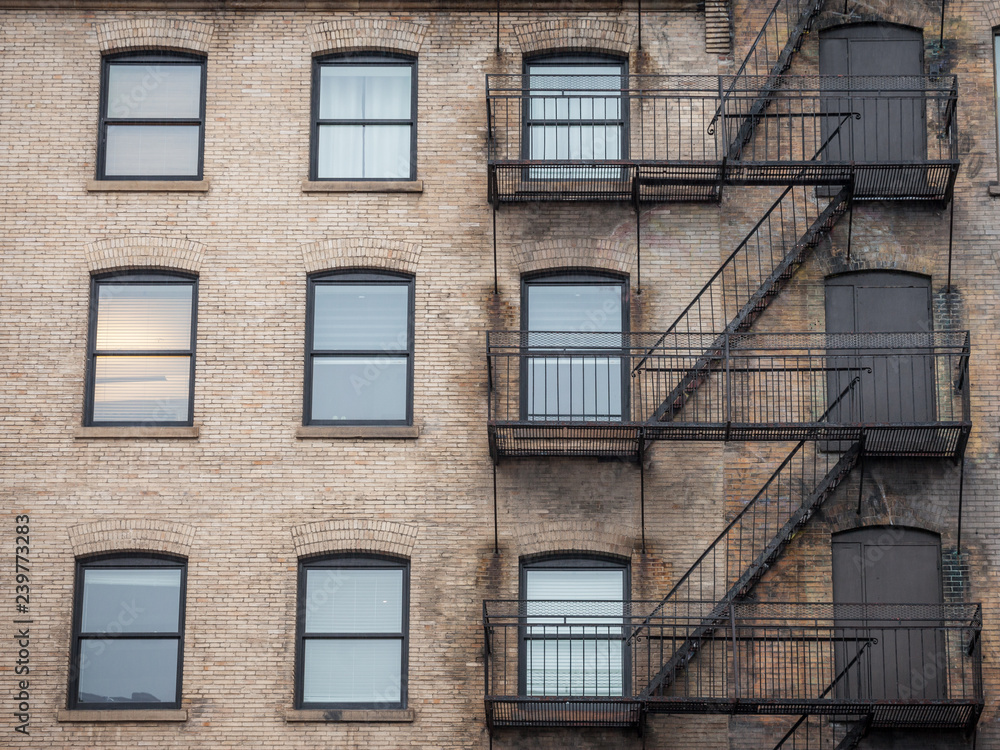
(573, 639)
(575, 112)
(359, 349)
(582, 311)
(152, 123)
(352, 632)
(141, 349)
(128, 632)
(364, 118)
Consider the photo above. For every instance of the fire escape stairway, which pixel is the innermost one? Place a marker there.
(746, 283)
(750, 544)
(770, 55)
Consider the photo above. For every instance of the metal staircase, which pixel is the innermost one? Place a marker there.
(750, 544)
(749, 279)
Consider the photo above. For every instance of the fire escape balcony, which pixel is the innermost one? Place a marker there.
(682, 138)
(602, 663)
(609, 394)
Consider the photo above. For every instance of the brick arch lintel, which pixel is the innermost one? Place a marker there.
(992, 12)
(354, 535)
(366, 34)
(574, 537)
(553, 255)
(145, 251)
(890, 257)
(361, 252)
(575, 35)
(155, 33)
(131, 534)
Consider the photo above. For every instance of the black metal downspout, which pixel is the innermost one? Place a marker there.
(961, 486)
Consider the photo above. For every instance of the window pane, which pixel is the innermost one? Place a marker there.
(574, 662)
(152, 150)
(354, 601)
(352, 671)
(387, 152)
(574, 388)
(154, 91)
(567, 583)
(363, 152)
(131, 601)
(359, 317)
(144, 317)
(364, 92)
(341, 152)
(359, 388)
(117, 670)
(570, 307)
(133, 389)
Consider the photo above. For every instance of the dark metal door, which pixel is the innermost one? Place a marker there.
(892, 124)
(902, 659)
(896, 387)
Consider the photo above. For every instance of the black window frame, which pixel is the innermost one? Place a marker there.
(368, 58)
(130, 560)
(355, 276)
(148, 58)
(570, 561)
(577, 277)
(150, 278)
(572, 59)
(356, 561)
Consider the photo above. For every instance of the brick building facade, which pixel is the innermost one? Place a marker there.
(550, 152)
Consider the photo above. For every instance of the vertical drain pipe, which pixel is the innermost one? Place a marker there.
(496, 535)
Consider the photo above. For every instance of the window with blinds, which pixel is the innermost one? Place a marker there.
(359, 352)
(352, 633)
(141, 359)
(573, 640)
(152, 123)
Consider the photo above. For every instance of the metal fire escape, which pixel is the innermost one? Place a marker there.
(705, 648)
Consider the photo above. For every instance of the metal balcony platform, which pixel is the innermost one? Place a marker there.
(650, 139)
(608, 395)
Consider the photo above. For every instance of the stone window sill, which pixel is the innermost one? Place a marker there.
(361, 715)
(994, 189)
(113, 433)
(126, 714)
(359, 432)
(362, 186)
(148, 186)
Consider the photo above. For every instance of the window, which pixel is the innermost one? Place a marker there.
(141, 352)
(587, 313)
(573, 642)
(575, 112)
(359, 349)
(152, 123)
(352, 633)
(128, 633)
(364, 118)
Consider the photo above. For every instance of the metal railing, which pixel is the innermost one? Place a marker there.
(753, 273)
(759, 529)
(669, 137)
(770, 54)
(908, 393)
(588, 662)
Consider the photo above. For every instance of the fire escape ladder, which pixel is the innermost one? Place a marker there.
(746, 283)
(796, 474)
(767, 59)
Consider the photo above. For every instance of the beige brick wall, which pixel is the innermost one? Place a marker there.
(247, 498)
